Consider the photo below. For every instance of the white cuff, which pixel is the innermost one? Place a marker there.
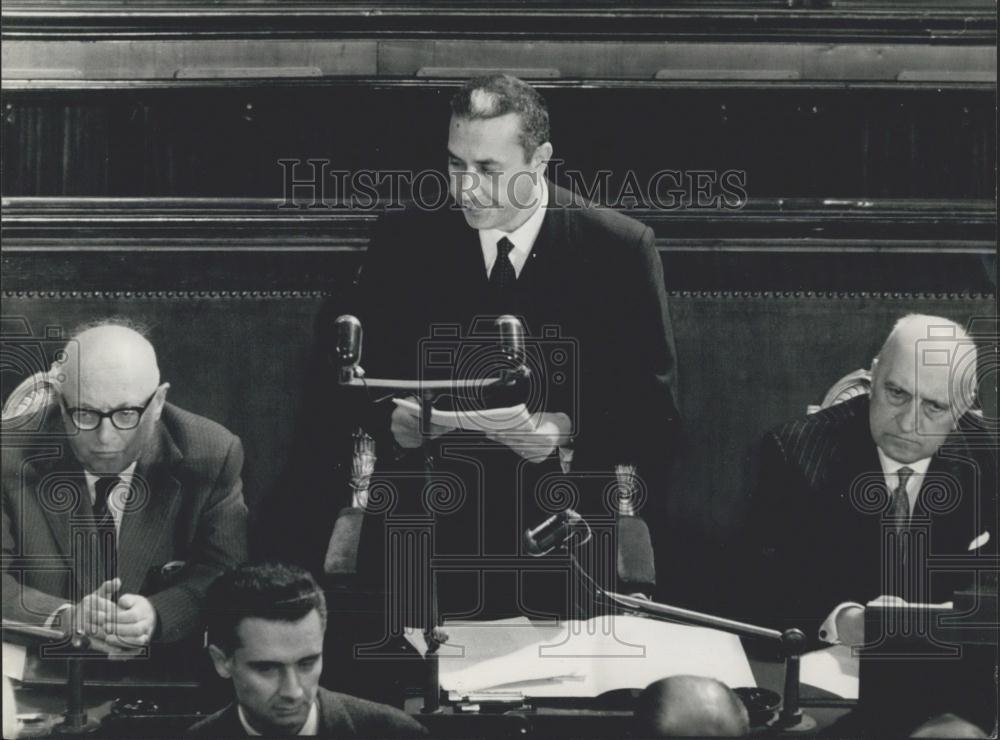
(56, 617)
(828, 630)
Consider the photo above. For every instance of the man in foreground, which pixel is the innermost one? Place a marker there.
(265, 631)
(690, 706)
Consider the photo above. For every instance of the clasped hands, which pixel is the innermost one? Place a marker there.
(533, 439)
(123, 624)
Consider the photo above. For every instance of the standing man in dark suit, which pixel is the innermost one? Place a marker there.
(120, 509)
(586, 282)
(856, 501)
(265, 629)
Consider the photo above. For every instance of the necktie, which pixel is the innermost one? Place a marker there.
(107, 537)
(102, 490)
(502, 276)
(901, 502)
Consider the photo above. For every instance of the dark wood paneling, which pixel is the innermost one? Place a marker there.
(969, 21)
(218, 140)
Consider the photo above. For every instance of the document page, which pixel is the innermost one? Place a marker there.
(584, 659)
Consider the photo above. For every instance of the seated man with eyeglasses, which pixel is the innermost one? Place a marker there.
(119, 509)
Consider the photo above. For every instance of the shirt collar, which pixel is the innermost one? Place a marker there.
(125, 476)
(523, 237)
(891, 467)
(309, 729)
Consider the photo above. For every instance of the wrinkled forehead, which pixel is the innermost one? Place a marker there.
(106, 382)
(940, 370)
(479, 139)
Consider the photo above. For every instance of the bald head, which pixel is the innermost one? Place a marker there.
(686, 706)
(110, 356)
(106, 368)
(948, 725)
(933, 341)
(923, 381)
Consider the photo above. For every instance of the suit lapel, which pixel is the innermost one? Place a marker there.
(548, 265)
(154, 499)
(548, 244)
(59, 488)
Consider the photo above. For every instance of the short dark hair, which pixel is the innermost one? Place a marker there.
(497, 95)
(272, 591)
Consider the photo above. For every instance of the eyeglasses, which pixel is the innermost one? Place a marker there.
(87, 420)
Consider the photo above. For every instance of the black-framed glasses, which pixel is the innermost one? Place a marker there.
(128, 417)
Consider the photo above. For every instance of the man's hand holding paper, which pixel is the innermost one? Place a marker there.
(532, 436)
(537, 437)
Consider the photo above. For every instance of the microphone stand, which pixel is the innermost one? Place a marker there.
(792, 642)
(352, 376)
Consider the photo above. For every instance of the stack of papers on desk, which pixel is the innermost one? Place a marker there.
(582, 659)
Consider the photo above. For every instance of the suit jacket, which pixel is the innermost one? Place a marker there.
(822, 513)
(594, 280)
(188, 507)
(340, 716)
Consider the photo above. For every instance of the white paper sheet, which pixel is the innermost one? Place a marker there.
(14, 657)
(834, 669)
(584, 659)
(488, 421)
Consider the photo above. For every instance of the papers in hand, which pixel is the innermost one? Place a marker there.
(487, 421)
(583, 659)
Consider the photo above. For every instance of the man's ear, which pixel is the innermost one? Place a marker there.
(160, 398)
(542, 155)
(221, 661)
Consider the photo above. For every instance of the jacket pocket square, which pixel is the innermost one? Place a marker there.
(979, 541)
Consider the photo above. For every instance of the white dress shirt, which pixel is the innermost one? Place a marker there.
(523, 237)
(890, 470)
(309, 729)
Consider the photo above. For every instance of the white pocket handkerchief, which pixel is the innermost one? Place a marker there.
(979, 541)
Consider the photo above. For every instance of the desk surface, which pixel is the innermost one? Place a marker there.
(178, 702)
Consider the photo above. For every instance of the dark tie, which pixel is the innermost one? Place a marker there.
(102, 490)
(107, 538)
(502, 276)
(901, 502)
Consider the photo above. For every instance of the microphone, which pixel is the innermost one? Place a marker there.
(555, 532)
(347, 345)
(511, 338)
(635, 563)
(342, 550)
(636, 568)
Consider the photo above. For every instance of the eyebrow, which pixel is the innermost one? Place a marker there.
(479, 162)
(269, 663)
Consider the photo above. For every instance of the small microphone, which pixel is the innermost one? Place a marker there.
(342, 549)
(636, 566)
(511, 338)
(347, 345)
(554, 532)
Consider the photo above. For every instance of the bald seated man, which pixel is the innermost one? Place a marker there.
(119, 509)
(690, 706)
(950, 726)
(853, 499)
